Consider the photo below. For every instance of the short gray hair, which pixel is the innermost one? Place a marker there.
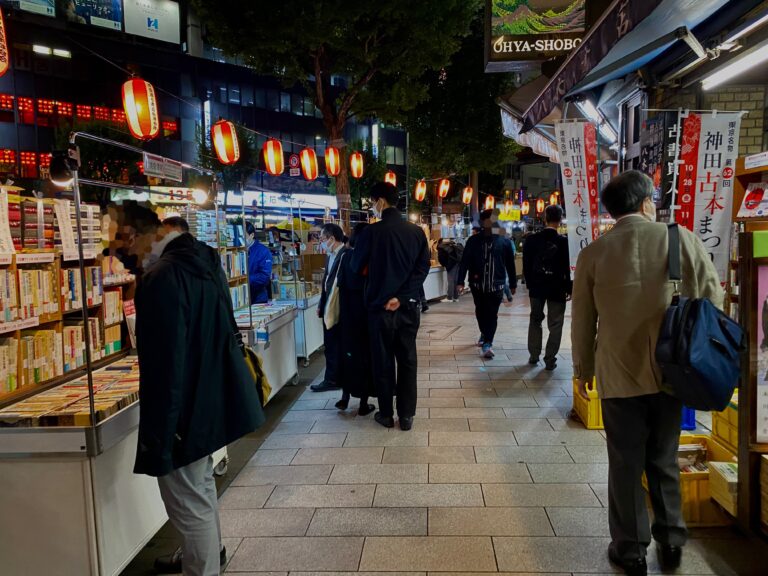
(626, 193)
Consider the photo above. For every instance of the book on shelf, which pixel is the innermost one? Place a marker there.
(9, 355)
(235, 264)
(239, 296)
(37, 224)
(72, 291)
(41, 356)
(74, 343)
(113, 307)
(14, 221)
(9, 300)
(38, 292)
(113, 340)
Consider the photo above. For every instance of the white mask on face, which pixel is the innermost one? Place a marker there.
(649, 209)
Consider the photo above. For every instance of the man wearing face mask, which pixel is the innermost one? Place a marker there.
(620, 296)
(332, 238)
(259, 267)
(395, 256)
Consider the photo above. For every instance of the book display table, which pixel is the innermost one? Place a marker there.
(436, 284)
(309, 327)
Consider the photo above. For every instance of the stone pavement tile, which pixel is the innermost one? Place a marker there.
(522, 401)
(589, 454)
(254, 523)
(432, 384)
(386, 437)
(322, 496)
(354, 404)
(466, 413)
(305, 415)
(369, 522)
(472, 439)
(482, 473)
(535, 554)
(435, 370)
(494, 574)
(489, 522)
(358, 574)
(380, 474)
(313, 404)
(579, 522)
(507, 372)
(568, 473)
(493, 385)
(501, 362)
(245, 497)
(523, 495)
(431, 402)
(440, 425)
(532, 412)
(527, 454)
(432, 553)
(294, 427)
(338, 456)
(509, 425)
(273, 457)
(272, 475)
(345, 425)
(428, 495)
(566, 424)
(281, 441)
(462, 393)
(435, 361)
(466, 362)
(472, 369)
(429, 455)
(569, 437)
(601, 491)
(459, 376)
(555, 402)
(294, 554)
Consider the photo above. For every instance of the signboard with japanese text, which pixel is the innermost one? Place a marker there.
(577, 144)
(654, 154)
(156, 19)
(42, 7)
(709, 147)
(100, 13)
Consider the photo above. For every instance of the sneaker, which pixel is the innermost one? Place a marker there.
(551, 365)
(533, 361)
(488, 351)
(324, 386)
(481, 341)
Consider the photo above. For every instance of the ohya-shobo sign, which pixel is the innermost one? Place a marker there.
(520, 32)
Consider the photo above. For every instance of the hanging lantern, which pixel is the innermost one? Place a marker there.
(273, 156)
(490, 203)
(308, 163)
(4, 54)
(421, 191)
(466, 195)
(140, 107)
(444, 188)
(525, 208)
(390, 178)
(552, 199)
(508, 205)
(332, 161)
(356, 165)
(540, 204)
(225, 142)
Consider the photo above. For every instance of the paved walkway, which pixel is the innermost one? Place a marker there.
(493, 477)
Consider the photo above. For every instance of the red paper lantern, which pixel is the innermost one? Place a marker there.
(525, 208)
(356, 165)
(466, 195)
(308, 163)
(273, 156)
(552, 199)
(140, 105)
(224, 138)
(332, 161)
(444, 188)
(490, 203)
(540, 205)
(421, 191)
(508, 206)
(390, 178)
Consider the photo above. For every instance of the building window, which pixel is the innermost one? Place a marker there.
(399, 156)
(247, 95)
(26, 110)
(260, 98)
(171, 128)
(83, 112)
(221, 91)
(28, 165)
(273, 100)
(390, 154)
(234, 94)
(118, 116)
(6, 108)
(64, 109)
(297, 104)
(8, 160)
(309, 107)
(101, 114)
(285, 102)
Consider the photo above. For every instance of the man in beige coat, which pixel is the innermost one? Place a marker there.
(621, 292)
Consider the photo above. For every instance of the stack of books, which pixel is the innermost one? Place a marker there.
(41, 358)
(9, 360)
(71, 287)
(113, 307)
(38, 224)
(724, 485)
(14, 222)
(9, 300)
(74, 343)
(113, 339)
(38, 293)
(239, 296)
(202, 225)
(235, 263)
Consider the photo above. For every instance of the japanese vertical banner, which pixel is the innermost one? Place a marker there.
(708, 151)
(577, 145)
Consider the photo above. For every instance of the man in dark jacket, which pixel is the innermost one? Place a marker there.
(395, 255)
(259, 267)
(547, 271)
(449, 255)
(490, 260)
(195, 391)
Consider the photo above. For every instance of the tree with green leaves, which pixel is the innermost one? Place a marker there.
(380, 49)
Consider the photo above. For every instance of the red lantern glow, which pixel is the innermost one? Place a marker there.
(332, 161)
(356, 165)
(308, 163)
(421, 191)
(466, 195)
(540, 205)
(444, 188)
(490, 203)
(140, 105)
(552, 199)
(525, 208)
(390, 178)
(225, 142)
(273, 156)
(4, 54)
(508, 206)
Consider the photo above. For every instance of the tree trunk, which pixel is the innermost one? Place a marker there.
(474, 181)
(343, 196)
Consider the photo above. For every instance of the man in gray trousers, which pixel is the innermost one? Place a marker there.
(620, 295)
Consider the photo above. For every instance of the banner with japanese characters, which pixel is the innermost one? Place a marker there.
(708, 150)
(577, 146)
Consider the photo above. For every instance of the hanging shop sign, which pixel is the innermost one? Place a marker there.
(42, 7)
(165, 168)
(577, 143)
(655, 146)
(756, 160)
(521, 31)
(709, 146)
(99, 13)
(293, 165)
(156, 19)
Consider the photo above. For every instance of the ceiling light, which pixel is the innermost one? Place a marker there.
(200, 196)
(735, 67)
(730, 42)
(61, 170)
(44, 50)
(592, 113)
(61, 53)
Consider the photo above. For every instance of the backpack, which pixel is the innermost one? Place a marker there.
(699, 347)
(545, 262)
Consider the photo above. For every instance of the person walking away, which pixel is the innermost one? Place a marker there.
(449, 255)
(396, 256)
(547, 271)
(355, 371)
(490, 262)
(332, 238)
(259, 267)
(195, 390)
(620, 296)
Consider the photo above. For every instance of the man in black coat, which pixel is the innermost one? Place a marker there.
(395, 256)
(547, 271)
(196, 394)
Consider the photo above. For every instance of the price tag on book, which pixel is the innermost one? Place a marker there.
(35, 258)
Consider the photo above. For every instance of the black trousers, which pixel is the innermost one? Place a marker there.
(393, 355)
(487, 312)
(555, 319)
(332, 343)
(643, 434)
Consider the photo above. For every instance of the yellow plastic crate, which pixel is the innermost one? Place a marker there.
(698, 508)
(590, 412)
(725, 425)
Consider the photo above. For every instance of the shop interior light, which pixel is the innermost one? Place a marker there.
(61, 53)
(590, 111)
(61, 170)
(199, 196)
(738, 65)
(43, 50)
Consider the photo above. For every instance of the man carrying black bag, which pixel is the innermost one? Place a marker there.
(620, 296)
